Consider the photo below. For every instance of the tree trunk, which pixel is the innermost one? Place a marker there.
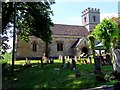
(46, 50)
(14, 35)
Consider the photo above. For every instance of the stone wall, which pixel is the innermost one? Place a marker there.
(68, 41)
(24, 49)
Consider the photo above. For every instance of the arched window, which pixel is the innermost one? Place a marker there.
(60, 47)
(84, 19)
(94, 18)
(34, 46)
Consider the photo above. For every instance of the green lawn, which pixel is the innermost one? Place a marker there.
(36, 77)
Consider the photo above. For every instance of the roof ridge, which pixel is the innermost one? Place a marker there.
(69, 25)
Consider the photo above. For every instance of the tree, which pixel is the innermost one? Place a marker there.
(91, 39)
(33, 19)
(106, 31)
(117, 20)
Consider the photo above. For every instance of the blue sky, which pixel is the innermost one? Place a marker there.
(69, 11)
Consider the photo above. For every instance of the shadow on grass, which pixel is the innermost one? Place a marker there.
(36, 77)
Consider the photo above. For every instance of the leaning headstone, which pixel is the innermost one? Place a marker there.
(97, 65)
(116, 63)
(108, 59)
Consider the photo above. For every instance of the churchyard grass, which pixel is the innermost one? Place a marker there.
(36, 77)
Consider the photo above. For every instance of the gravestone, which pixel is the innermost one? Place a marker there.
(27, 63)
(73, 64)
(60, 57)
(102, 60)
(51, 61)
(90, 60)
(63, 62)
(116, 63)
(85, 61)
(97, 65)
(75, 58)
(79, 59)
(41, 62)
(68, 64)
(108, 59)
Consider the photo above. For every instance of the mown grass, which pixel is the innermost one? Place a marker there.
(36, 77)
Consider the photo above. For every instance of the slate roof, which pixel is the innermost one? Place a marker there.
(61, 29)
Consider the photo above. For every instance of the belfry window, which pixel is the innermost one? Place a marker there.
(84, 19)
(94, 18)
(59, 46)
(34, 46)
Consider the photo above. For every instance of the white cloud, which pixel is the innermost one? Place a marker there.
(107, 15)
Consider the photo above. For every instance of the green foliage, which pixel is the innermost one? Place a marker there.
(32, 19)
(6, 58)
(106, 31)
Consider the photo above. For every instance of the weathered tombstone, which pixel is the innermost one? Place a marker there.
(108, 59)
(60, 57)
(41, 62)
(79, 59)
(63, 62)
(75, 58)
(90, 60)
(73, 64)
(116, 63)
(65, 57)
(85, 61)
(51, 60)
(27, 63)
(45, 59)
(97, 65)
(102, 60)
(68, 63)
(68, 58)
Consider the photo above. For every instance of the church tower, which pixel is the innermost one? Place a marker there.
(90, 18)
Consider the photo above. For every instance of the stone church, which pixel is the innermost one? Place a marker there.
(68, 40)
